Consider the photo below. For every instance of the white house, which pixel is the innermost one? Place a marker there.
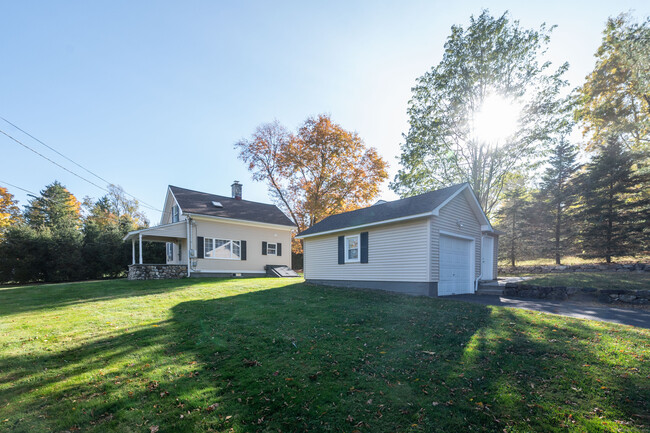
(215, 236)
(437, 243)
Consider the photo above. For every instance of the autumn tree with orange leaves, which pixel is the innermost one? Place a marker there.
(319, 171)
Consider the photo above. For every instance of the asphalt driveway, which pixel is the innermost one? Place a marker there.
(623, 316)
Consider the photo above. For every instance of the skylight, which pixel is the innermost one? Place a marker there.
(217, 204)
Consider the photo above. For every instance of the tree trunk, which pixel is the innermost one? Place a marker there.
(558, 225)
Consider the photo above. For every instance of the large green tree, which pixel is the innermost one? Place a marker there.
(557, 194)
(615, 98)
(611, 209)
(55, 208)
(492, 57)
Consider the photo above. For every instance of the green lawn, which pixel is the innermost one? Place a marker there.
(599, 280)
(274, 355)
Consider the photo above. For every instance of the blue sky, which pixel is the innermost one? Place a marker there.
(147, 94)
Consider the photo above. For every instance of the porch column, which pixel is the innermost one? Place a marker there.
(140, 246)
(133, 251)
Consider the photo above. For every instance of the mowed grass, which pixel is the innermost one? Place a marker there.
(598, 280)
(278, 355)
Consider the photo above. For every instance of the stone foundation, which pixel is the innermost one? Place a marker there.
(561, 293)
(157, 272)
(612, 267)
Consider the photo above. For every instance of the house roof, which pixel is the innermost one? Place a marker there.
(200, 203)
(417, 205)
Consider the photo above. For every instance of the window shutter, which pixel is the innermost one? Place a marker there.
(341, 250)
(199, 247)
(364, 247)
(242, 249)
(263, 248)
(278, 249)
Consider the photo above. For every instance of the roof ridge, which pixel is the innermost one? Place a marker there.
(222, 196)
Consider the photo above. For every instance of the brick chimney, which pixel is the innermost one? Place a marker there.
(236, 190)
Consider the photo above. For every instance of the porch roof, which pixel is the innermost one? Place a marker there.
(162, 233)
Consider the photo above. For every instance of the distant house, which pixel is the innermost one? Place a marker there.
(438, 243)
(216, 236)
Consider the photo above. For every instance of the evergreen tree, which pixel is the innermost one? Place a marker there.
(557, 194)
(512, 218)
(611, 214)
(55, 208)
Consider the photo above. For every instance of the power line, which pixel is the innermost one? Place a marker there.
(52, 161)
(54, 150)
(17, 187)
(145, 204)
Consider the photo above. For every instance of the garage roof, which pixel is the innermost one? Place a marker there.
(410, 207)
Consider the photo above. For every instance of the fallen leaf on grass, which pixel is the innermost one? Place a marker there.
(153, 429)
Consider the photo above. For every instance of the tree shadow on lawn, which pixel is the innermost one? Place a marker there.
(21, 299)
(307, 358)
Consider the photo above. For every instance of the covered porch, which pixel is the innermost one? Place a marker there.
(176, 234)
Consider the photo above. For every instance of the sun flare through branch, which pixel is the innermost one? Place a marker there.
(496, 120)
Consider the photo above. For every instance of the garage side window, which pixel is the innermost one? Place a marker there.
(352, 249)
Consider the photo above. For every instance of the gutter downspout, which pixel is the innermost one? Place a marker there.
(189, 240)
(476, 282)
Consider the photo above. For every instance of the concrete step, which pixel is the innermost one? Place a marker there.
(489, 291)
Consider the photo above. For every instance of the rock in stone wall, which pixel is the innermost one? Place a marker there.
(157, 272)
(560, 293)
(612, 267)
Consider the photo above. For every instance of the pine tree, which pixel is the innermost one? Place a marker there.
(512, 218)
(557, 194)
(55, 208)
(609, 208)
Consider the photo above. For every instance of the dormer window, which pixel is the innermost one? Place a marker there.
(176, 213)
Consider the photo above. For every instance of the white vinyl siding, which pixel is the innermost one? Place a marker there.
(447, 220)
(253, 235)
(396, 252)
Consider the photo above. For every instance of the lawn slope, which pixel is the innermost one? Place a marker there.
(279, 355)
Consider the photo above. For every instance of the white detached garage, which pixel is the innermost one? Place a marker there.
(436, 244)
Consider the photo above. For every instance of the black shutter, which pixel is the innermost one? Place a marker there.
(242, 249)
(263, 248)
(364, 247)
(278, 249)
(199, 247)
(341, 250)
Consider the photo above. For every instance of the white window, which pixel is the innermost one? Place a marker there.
(272, 249)
(221, 249)
(170, 252)
(175, 213)
(352, 247)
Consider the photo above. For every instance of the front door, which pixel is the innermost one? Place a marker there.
(487, 258)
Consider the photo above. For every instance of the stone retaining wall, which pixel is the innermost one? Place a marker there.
(561, 293)
(157, 272)
(612, 267)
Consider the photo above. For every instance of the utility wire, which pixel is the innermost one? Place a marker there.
(52, 161)
(145, 204)
(54, 150)
(17, 187)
